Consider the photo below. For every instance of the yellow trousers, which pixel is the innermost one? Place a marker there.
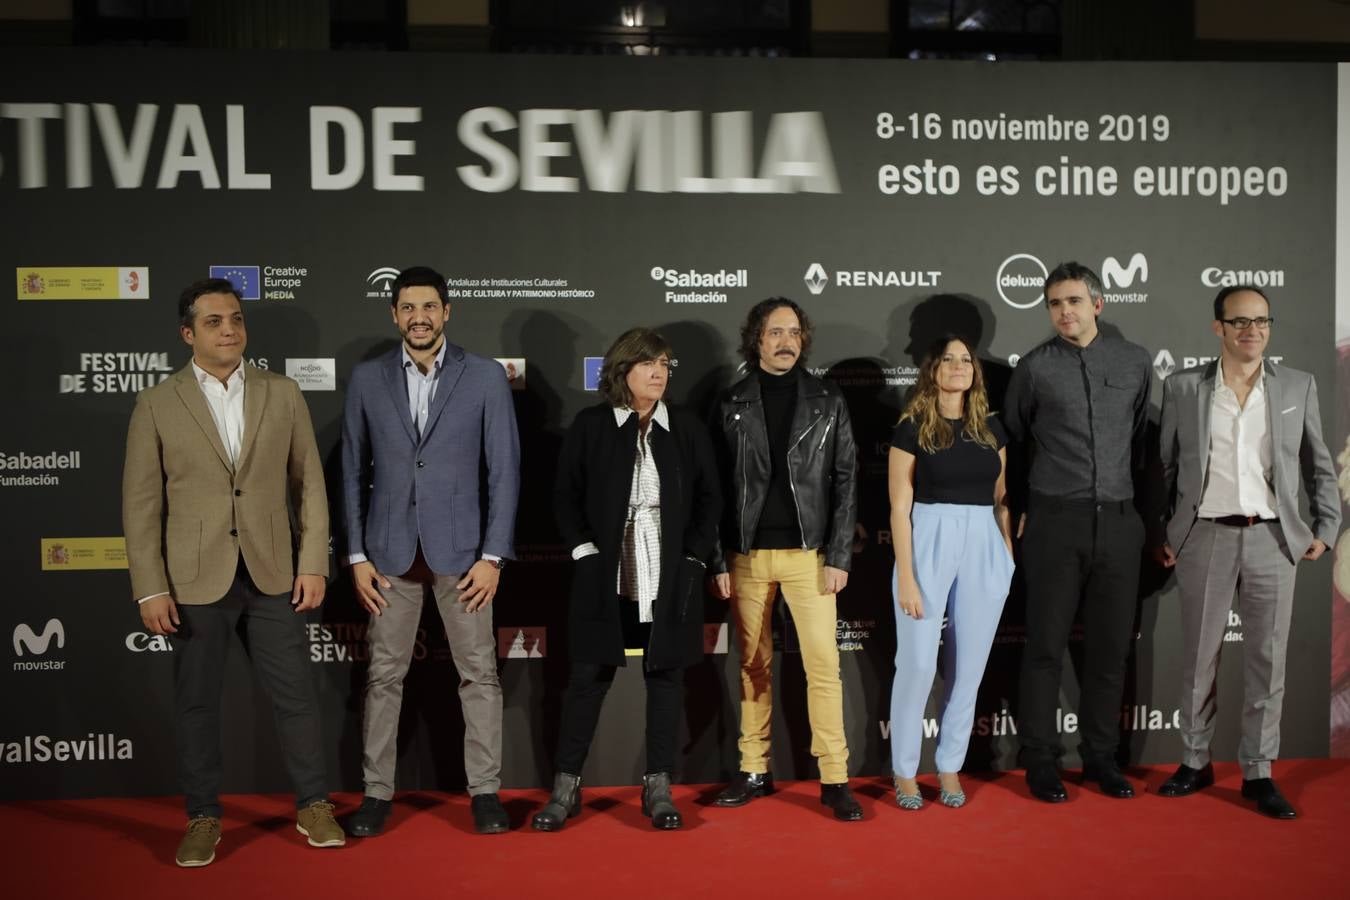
(755, 580)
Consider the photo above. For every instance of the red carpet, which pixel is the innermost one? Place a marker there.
(1002, 844)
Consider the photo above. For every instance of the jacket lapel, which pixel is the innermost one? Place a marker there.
(1274, 421)
(1204, 409)
(451, 369)
(190, 392)
(398, 388)
(255, 399)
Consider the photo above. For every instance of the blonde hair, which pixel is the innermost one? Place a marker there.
(935, 432)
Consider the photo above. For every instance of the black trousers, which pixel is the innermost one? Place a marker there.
(587, 685)
(1077, 552)
(274, 636)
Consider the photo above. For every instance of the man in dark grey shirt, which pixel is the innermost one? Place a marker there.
(1079, 405)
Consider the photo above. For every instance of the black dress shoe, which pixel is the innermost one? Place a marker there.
(839, 798)
(369, 820)
(1269, 800)
(1108, 778)
(1044, 784)
(1186, 781)
(745, 788)
(488, 815)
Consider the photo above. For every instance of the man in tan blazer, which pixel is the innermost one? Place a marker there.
(213, 454)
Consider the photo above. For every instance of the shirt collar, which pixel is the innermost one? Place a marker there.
(660, 417)
(408, 360)
(204, 377)
(1220, 385)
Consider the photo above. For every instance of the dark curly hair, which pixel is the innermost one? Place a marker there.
(753, 329)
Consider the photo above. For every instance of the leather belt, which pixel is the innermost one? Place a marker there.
(1238, 521)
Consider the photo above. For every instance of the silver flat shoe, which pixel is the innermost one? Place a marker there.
(955, 801)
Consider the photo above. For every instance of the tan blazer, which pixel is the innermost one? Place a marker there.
(188, 515)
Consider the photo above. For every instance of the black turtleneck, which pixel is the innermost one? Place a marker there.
(778, 524)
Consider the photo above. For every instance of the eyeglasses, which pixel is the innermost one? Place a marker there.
(1242, 323)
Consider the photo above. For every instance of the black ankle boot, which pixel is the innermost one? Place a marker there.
(564, 802)
(657, 802)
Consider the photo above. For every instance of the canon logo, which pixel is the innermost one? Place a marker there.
(140, 642)
(1216, 277)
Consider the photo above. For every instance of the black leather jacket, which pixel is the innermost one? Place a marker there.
(822, 469)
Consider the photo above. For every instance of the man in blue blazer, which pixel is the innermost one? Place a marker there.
(1237, 437)
(419, 422)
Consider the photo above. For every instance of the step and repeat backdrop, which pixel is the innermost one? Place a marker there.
(568, 199)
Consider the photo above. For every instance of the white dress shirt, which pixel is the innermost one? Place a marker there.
(639, 575)
(1240, 470)
(226, 402)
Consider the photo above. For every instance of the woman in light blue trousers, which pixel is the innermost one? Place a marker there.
(953, 560)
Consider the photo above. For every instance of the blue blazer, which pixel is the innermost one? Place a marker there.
(400, 491)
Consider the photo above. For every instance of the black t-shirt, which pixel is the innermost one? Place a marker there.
(965, 472)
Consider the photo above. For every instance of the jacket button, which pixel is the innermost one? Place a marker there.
(420, 464)
(234, 532)
(238, 493)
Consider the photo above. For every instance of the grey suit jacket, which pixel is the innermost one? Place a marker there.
(400, 490)
(1295, 430)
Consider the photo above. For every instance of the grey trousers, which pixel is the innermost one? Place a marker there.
(1216, 563)
(391, 637)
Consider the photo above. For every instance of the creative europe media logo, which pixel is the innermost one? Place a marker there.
(263, 282)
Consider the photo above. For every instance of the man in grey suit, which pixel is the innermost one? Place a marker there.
(419, 422)
(1236, 434)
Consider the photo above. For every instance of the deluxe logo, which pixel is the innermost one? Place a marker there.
(37, 468)
(143, 642)
(313, 374)
(816, 278)
(590, 372)
(31, 643)
(1115, 275)
(1164, 364)
(522, 642)
(43, 748)
(1021, 281)
(83, 282)
(116, 373)
(1216, 277)
(381, 283)
(514, 367)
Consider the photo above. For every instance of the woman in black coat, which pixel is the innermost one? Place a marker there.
(637, 502)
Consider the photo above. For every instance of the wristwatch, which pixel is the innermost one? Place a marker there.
(499, 563)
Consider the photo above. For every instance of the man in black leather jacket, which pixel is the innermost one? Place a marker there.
(791, 503)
